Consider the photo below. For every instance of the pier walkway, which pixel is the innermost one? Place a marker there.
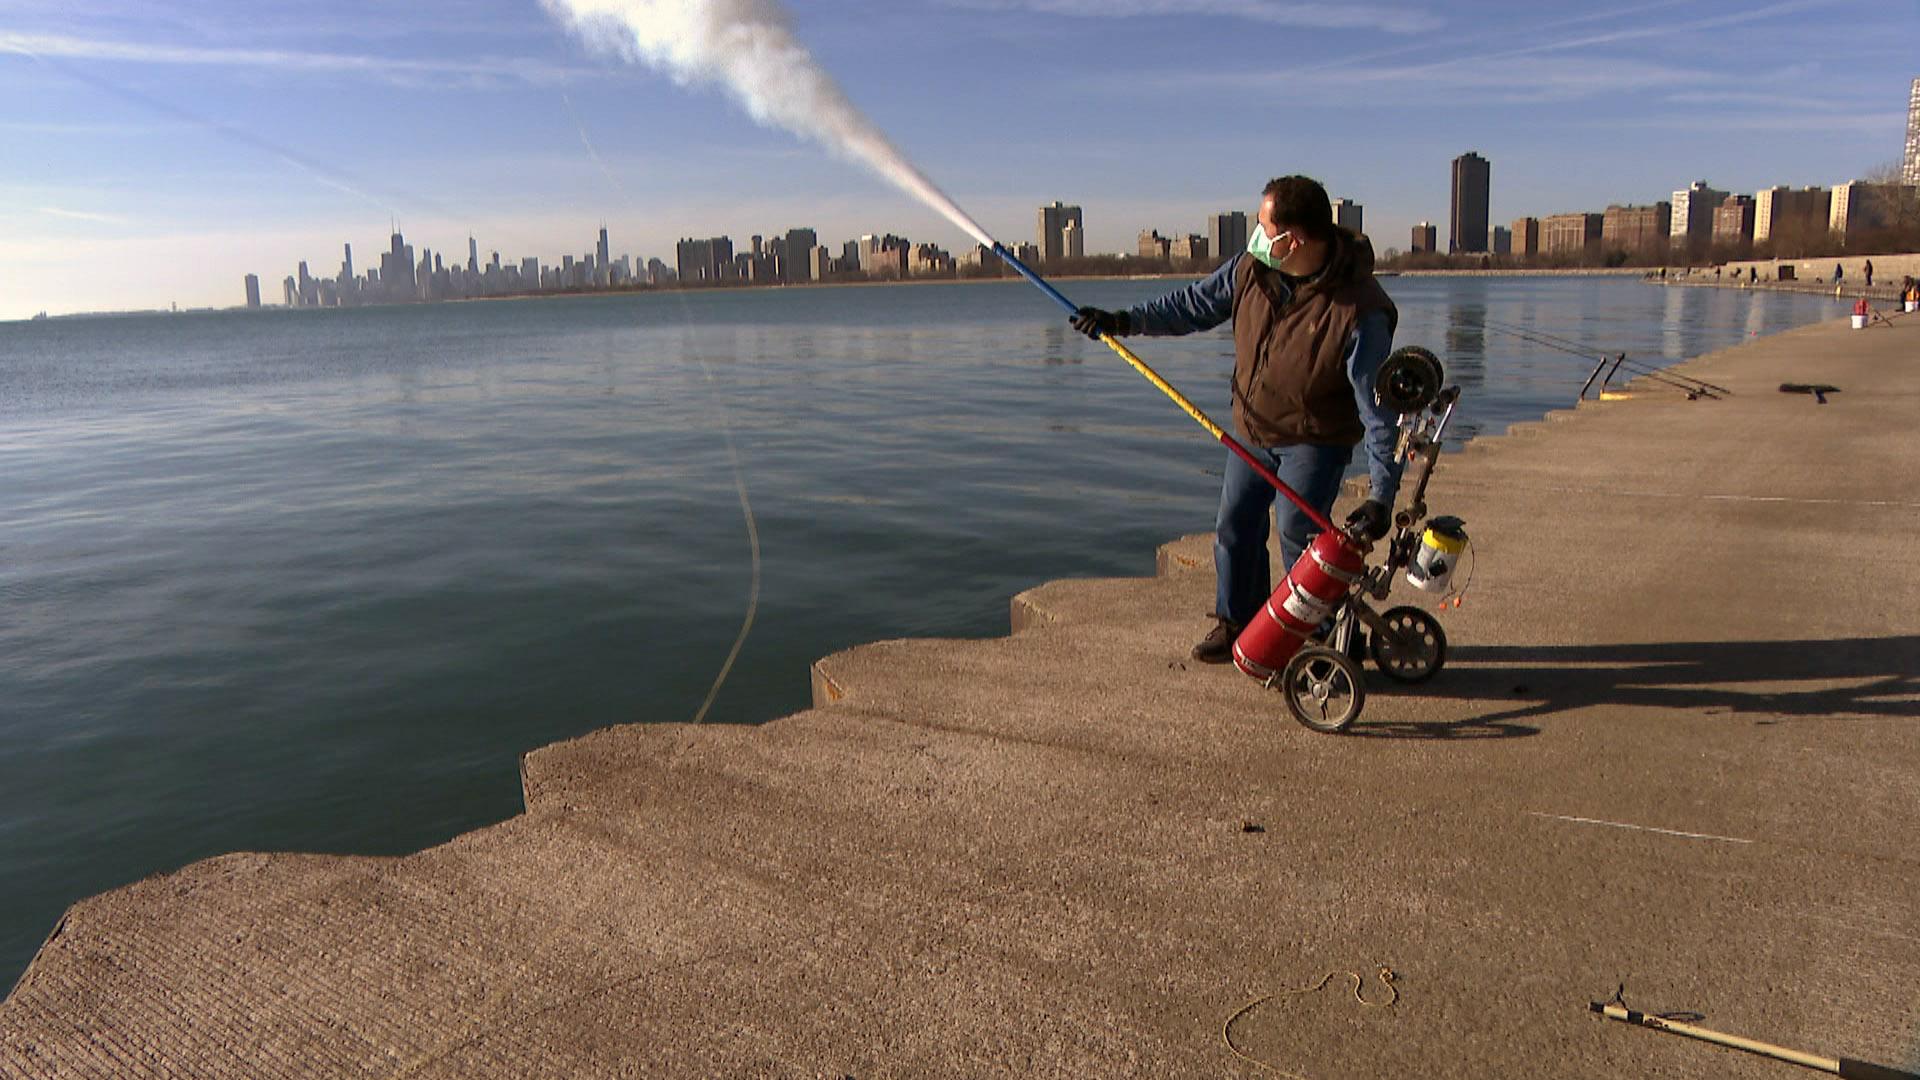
(1677, 746)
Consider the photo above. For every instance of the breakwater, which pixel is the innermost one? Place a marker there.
(1072, 852)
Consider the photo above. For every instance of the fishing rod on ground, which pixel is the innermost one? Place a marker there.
(1610, 363)
(1635, 366)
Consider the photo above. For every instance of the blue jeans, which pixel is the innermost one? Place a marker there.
(1243, 580)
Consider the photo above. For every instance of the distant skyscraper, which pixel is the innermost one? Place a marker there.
(799, 261)
(253, 290)
(1052, 224)
(1783, 216)
(1472, 178)
(473, 255)
(1502, 240)
(1425, 236)
(1347, 214)
(1526, 236)
(346, 264)
(600, 251)
(1072, 244)
(1910, 172)
(1227, 233)
(1692, 223)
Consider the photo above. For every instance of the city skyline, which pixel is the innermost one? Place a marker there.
(170, 153)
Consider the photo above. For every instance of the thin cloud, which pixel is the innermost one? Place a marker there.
(81, 215)
(78, 48)
(1398, 20)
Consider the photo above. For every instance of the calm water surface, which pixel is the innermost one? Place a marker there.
(312, 580)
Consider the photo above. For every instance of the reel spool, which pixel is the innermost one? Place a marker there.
(1409, 380)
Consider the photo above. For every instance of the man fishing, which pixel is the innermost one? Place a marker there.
(1311, 325)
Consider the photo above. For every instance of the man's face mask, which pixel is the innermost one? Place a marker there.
(1263, 248)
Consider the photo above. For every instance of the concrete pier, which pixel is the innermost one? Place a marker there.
(1676, 747)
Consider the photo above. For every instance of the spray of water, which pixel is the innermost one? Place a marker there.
(748, 48)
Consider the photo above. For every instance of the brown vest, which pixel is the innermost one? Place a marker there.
(1290, 382)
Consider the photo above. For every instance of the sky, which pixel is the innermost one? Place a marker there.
(154, 154)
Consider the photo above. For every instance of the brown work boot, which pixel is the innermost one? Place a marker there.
(1217, 646)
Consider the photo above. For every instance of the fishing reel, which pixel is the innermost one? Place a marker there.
(1410, 380)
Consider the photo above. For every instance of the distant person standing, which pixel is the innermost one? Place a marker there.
(1311, 325)
(1868, 269)
(1838, 272)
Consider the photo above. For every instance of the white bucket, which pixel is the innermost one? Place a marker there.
(1859, 322)
(1913, 305)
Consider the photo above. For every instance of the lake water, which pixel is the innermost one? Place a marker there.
(313, 580)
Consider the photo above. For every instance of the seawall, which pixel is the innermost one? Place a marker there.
(1676, 746)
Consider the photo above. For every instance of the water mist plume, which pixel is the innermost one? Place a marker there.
(748, 47)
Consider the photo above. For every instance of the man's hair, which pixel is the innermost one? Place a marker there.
(1299, 202)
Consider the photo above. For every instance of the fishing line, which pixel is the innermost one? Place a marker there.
(1620, 360)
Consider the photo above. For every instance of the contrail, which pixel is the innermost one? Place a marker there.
(748, 48)
(591, 152)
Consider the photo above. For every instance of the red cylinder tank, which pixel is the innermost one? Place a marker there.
(1313, 589)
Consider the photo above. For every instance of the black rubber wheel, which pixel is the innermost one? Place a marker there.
(1409, 380)
(1413, 648)
(1323, 688)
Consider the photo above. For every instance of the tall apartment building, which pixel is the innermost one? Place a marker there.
(1347, 215)
(1187, 247)
(1526, 236)
(1636, 228)
(1693, 209)
(1733, 221)
(1858, 207)
(253, 290)
(1049, 234)
(1569, 234)
(1425, 237)
(1783, 215)
(798, 265)
(1227, 232)
(1154, 246)
(1471, 187)
(1502, 240)
(1073, 241)
(1910, 165)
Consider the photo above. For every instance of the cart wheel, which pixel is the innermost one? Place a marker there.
(1323, 688)
(1409, 380)
(1412, 649)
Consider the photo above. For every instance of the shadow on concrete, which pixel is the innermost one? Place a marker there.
(1767, 680)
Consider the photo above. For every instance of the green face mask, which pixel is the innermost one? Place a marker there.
(1261, 248)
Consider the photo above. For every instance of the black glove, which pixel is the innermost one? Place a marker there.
(1093, 322)
(1370, 520)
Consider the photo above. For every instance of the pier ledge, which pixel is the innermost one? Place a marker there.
(1676, 747)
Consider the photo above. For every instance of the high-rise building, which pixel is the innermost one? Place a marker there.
(1187, 247)
(1426, 236)
(1227, 233)
(1502, 241)
(346, 264)
(1782, 215)
(1569, 234)
(1692, 224)
(1636, 228)
(1910, 165)
(799, 264)
(1073, 244)
(1733, 221)
(1347, 214)
(1472, 178)
(253, 290)
(1154, 246)
(1858, 207)
(1526, 236)
(1052, 225)
(601, 255)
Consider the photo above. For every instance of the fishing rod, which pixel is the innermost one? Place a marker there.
(1637, 366)
(1619, 360)
(1687, 383)
(1843, 1067)
(1313, 514)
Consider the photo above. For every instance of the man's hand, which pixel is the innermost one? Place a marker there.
(1370, 520)
(1093, 322)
